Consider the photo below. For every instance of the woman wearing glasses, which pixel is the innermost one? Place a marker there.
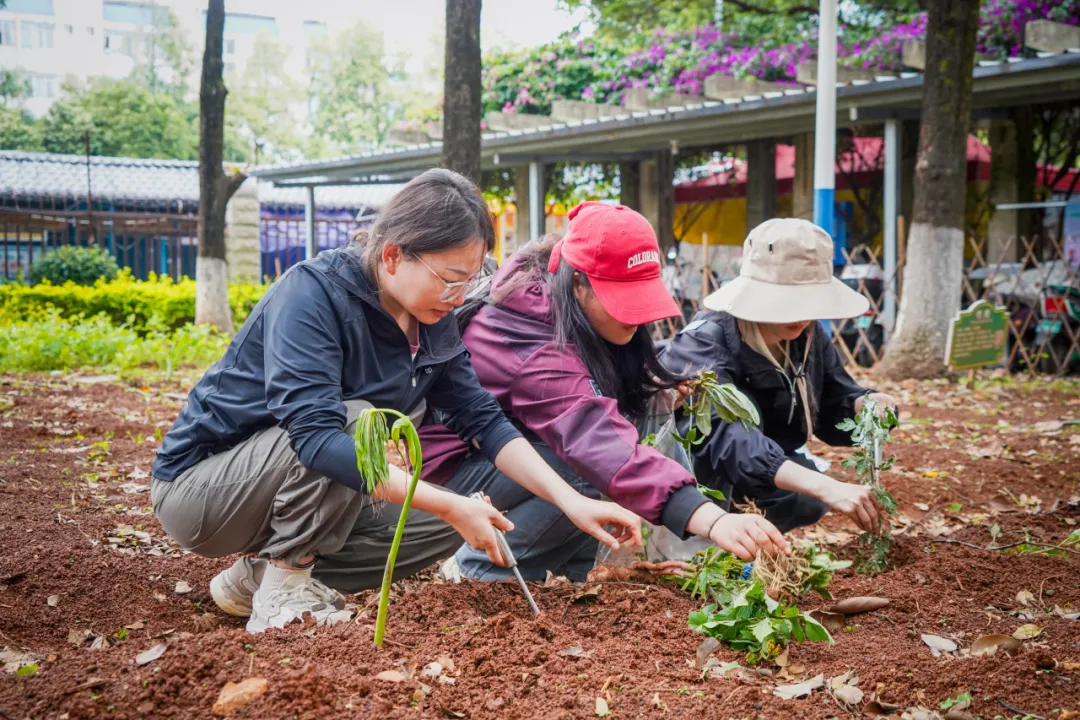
(261, 460)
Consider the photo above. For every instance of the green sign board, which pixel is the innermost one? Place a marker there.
(978, 337)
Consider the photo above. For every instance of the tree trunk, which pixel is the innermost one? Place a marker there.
(461, 92)
(935, 257)
(215, 188)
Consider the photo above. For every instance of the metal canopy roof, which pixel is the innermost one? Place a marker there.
(997, 84)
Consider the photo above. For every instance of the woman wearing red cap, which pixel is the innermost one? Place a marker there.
(561, 344)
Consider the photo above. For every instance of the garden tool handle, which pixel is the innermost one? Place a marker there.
(500, 538)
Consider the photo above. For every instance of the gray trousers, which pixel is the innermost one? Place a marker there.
(257, 498)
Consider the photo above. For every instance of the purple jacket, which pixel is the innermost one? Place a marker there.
(546, 388)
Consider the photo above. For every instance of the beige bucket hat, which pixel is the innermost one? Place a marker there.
(786, 277)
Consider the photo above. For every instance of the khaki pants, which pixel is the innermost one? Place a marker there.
(257, 498)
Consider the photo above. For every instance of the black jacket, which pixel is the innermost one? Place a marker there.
(317, 338)
(750, 459)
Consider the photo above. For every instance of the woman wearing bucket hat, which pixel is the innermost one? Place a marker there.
(760, 331)
(561, 343)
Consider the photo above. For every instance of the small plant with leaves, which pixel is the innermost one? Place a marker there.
(711, 397)
(755, 623)
(745, 612)
(870, 431)
(372, 436)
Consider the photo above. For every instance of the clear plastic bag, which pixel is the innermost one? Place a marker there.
(660, 543)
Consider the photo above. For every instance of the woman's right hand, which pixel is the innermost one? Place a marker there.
(855, 501)
(744, 534)
(475, 520)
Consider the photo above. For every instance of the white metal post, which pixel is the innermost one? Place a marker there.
(825, 123)
(892, 192)
(310, 249)
(536, 201)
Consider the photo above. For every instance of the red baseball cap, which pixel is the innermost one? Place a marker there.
(616, 248)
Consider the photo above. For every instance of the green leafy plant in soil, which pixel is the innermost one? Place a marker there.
(711, 397)
(742, 612)
(870, 430)
(372, 436)
(757, 624)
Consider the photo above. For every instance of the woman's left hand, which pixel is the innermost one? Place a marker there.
(592, 515)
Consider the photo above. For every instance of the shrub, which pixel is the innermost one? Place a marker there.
(71, 263)
(124, 301)
(51, 342)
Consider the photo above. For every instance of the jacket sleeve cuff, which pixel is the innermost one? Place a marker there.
(495, 438)
(683, 503)
(773, 467)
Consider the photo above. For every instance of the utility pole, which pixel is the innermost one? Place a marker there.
(825, 124)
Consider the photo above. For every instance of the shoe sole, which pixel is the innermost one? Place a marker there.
(228, 598)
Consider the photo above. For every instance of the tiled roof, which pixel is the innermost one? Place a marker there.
(29, 174)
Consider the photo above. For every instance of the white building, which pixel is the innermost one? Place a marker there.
(54, 41)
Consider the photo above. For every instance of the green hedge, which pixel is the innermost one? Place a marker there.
(143, 304)
(80, 265)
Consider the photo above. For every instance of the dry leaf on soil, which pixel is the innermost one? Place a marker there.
(1027, 632)
(705, 649)
(587, 591)
(432, 670)
(149, 656)
(12, 660)
(876, 708)
(235, 695)
(575, 651)
(394, 676)
(848, 694)
(182, 588)
(938, 644)
(833, 622)
(989, 644)
(789, 692)
(1025, 598)
(855, 605)
(955, 714)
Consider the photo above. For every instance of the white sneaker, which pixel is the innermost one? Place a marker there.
(233, 587)
(289, 599)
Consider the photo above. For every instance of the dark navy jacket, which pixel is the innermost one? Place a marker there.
(317, 338)
(750, 458)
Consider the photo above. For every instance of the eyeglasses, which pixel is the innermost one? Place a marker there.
(454, 290)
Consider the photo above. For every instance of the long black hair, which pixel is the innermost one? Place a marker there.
(632, 373)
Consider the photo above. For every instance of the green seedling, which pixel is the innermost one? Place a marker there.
(743, 611)
(756, 624)
(371, 438)
(870, 431)
(709, 398)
